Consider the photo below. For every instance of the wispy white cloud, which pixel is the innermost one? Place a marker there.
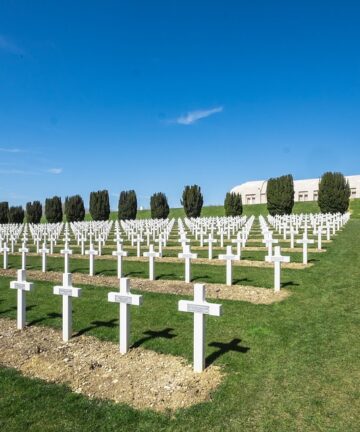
(193, 116)
(9, 150)
(55, 170)
(9, 46)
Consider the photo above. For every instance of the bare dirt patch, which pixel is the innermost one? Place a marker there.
(250, 294)
(141, 378)
(175, 260)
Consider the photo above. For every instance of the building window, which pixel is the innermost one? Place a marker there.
(250, 199)
(316, 195)
(353, 192)
(303, 196)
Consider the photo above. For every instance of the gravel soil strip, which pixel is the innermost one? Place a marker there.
(141, 378)
(250, 294)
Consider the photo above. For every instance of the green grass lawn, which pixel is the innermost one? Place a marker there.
(291, 366)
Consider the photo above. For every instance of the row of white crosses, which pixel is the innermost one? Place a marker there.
(199, 307)
(212, 230)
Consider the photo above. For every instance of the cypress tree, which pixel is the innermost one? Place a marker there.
(159, 206)
(34, 212)
(53, 210)
(280, 195)
(127, 208)
(74, 208)
(192, 201)
(233, 204)
(4, 212)
(334, 193)
(99, 205)
(16, 214)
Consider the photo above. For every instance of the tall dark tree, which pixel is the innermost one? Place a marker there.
(127, 208)
(53, 210)
(74, 208)
(233, 204)
(280, 195)
(4, 212)
(16, 214)
(33, 212)
(192, 201)
(159, 206)
(100, 205)
(334, 193)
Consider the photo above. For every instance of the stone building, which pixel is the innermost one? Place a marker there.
(254, 192)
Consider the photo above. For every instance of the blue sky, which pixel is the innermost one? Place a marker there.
(155, 95)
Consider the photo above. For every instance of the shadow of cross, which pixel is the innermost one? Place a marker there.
(224, 348)
(152, 334)
(95, 324)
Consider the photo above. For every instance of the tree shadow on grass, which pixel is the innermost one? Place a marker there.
(96, 324)
(152, 334)
(224, 348)
(51, 315)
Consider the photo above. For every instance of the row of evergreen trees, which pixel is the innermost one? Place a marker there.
(334, 196)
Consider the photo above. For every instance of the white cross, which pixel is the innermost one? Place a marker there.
(319, 233)
(151, 255)
(43, 252)
(229, 258)
(67, 291)
(188, 256)
(238, 241)
(139, 239)
(305, 241)
(66, 252)
(5, 251)
(210, 240)
(269, 241)
(91, 252)
(22, 287)
(120, 253)
(24, 250)
(125, 300)
(292, 237)
(199, 307)
(277, 259)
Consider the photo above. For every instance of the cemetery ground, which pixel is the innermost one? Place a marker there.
(288, 365)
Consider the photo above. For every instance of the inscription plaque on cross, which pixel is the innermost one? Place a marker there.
(199, 307)
(22, 287)
(125, 300)
(67, 291)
